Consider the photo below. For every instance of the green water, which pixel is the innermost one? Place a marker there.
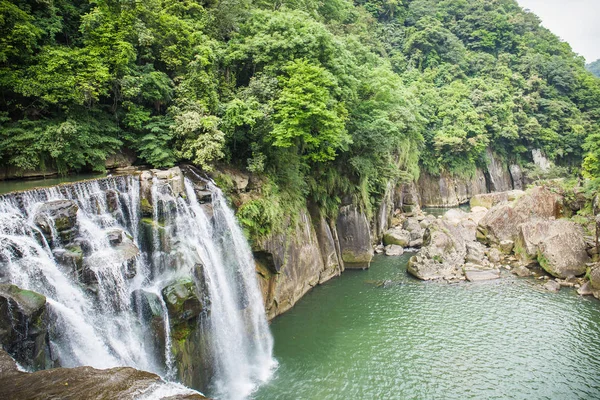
(17, 185)
(504, 339)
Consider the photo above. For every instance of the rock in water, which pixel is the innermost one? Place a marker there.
(552, 286)
(394, 250)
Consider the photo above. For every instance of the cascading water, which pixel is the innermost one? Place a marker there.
(142, 275)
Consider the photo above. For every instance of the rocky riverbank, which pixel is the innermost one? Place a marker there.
(540, 232)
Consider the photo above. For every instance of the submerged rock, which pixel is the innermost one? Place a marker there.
(23, 328)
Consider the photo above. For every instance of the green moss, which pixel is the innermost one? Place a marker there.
(155, 224)
(181, 332)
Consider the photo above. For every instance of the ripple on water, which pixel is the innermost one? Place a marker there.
(503, 339)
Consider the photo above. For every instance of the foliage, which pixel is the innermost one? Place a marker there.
(329, 100)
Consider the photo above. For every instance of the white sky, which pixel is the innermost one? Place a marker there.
(575, 21)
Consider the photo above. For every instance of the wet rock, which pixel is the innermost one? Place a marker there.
(124, 254)
(173, 177)
(88, 383)
(181, 299)
(59, 215)
(354, 237)
(394, 250)
(115, 236)
(23, 326)
(552, 286)
(112, 200)
(149, 308)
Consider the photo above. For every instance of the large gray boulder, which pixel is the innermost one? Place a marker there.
(443, 253)
(502, 221)
(397, 236)
(557, 245)
(355, 238)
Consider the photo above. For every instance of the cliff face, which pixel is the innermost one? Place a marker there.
(310, 252)
(446, 190)
(314, 250)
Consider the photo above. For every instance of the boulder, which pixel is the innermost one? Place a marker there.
(396, 236)
(552, 286)
(477, 275)
(494, 255)
(585, 289)
(522, 271)
(23, 326)
(557, 245)
(173, 177)
(181, 300)
(394, 250)
(88, 383)
(489, 200)
(59, 216)
(502, 221)
(443, 253)
(355, 238)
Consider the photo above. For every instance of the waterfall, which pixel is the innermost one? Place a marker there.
(137, 271)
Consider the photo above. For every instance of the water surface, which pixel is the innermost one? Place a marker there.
(353, 338)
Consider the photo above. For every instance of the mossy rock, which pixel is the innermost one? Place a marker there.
(181, 299)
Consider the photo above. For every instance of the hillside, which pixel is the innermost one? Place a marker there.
(325, 100)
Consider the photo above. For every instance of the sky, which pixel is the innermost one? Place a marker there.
(575, 21)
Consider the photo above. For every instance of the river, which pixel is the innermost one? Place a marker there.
(380, 334)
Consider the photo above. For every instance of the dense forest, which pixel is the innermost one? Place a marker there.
(323, 99)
